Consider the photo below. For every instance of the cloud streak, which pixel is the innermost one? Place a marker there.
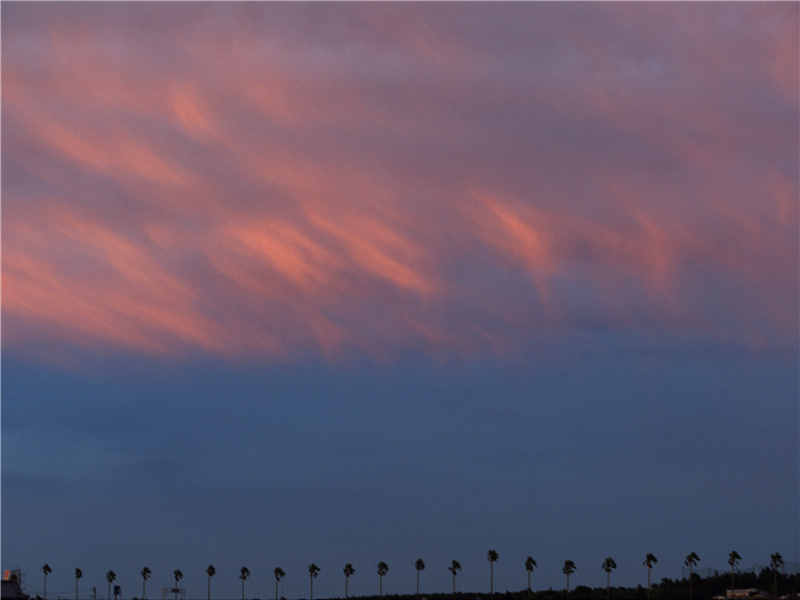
(279, 180)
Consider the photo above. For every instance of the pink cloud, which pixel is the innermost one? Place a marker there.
(405, 182)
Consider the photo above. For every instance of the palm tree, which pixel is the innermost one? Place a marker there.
(454, 568)
(733, 558)
(110, 577)
(279, 574)
(419, 566)
(145, 576)
(348, 570)
(608, 566)
(178, 575)
(649, 561)
(46, 570)
(776, 562)
(529, 566)
(383, 569)
(312, 573)
(244, 573)
(210, 571)
(492, 556)
(568, 569)
(691, 560)
(79, 575)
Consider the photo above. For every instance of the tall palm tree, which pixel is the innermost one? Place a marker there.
(608, 566)
(210, 571)
(419, 566)
(244, 573)
(691, 560)
(312, 574)
(383, 569)
(110, 577)
(348, 570)
(492, 556)
(776, 562)
(529, 566)
(178, 575)
(145, 576)
(279, 574)
(649, 561)
(454, 568)
(46, 570)
(733, 558)
(78, 575)
(568, 569)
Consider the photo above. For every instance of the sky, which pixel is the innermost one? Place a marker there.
(287, 283)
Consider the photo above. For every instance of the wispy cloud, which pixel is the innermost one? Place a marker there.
(276, 179)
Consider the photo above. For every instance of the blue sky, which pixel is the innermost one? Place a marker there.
(294, 283)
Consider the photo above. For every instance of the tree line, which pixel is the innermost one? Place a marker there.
(668, 589)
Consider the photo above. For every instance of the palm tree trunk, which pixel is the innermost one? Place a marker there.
(454, 586)
(529, 585)
(491, 578)
(648, 583)
(567, 586)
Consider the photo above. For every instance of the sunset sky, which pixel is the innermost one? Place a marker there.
(293, 282)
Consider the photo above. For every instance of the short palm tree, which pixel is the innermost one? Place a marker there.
(568, 569)
(145, 576)
(691, 560)
(279, 574)
(178, 575)
(383, 569)
(492, 556)
(78, 575)
(530, 564)
(312, 574)
(649, 561)
(110, 577)
(454, 568)
(776, 562)
(419, 566)
(348, 570)
(609, 565)
(46, 570)
(210, 571)
(733, 558)
(244, 573)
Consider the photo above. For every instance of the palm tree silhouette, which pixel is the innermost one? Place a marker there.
(46, 570)
(649, 561)
(145, 576)
(244, 573)
(348, 570)
(383, 569)
(178, 575)
(279, 574)
(454, 568)
(691, 560)
(110, 577)
(776, 562)
(608, 566)
(529, 566)
(419, 566)
(210, 571)
(79, 575)
(568, 569)
(733, 558)
(312, 573)
(492, 556)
